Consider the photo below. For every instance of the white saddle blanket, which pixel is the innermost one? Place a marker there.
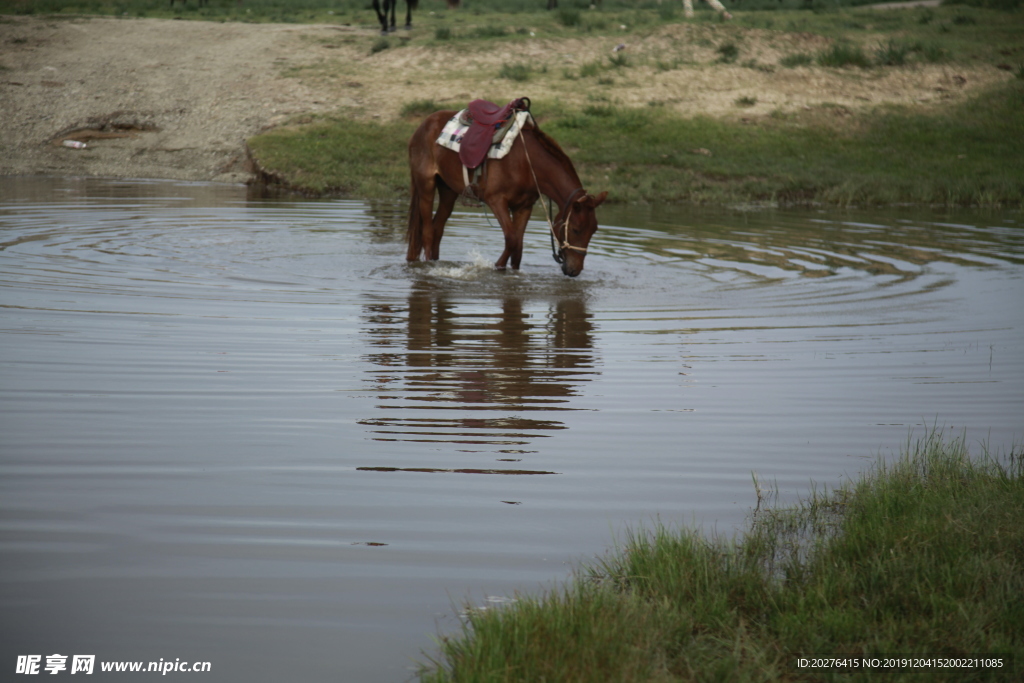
(451, 135)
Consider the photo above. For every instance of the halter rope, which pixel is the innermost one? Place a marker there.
(556, 251)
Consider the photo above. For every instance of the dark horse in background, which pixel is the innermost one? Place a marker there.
(392, 5)
(510, 186)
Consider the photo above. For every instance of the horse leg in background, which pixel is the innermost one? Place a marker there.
(715, 5)
(410, 5)
(720, 8)
(382, 17)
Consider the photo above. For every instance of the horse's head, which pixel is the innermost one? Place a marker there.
(575, 224)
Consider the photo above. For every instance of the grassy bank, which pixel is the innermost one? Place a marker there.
(968, 155)
(629, 119)
(924, 556)
(946, 151)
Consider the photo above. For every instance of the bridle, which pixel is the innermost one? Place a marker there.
(557, 250)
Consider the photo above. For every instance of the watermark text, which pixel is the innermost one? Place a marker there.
(32, 665)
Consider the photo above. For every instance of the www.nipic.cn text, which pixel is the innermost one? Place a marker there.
(86, 664)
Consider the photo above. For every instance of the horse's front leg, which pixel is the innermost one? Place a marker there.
(520, 217)
(382, 17)
(408, 14)
(513, 224)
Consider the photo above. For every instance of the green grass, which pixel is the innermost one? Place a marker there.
(843, 54)
(727, 53)
(968, 155)
(338, 156)
(796, 59)
(921, 556)
(515, 72)
(972, 154)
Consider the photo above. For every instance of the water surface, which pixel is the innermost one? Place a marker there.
(244, 431)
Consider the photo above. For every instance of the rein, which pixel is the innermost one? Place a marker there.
(556, 249)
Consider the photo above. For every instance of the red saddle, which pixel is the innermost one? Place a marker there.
(486, 118)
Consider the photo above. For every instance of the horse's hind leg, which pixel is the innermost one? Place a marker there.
(445, 204)
(420, 234)
(408, 13)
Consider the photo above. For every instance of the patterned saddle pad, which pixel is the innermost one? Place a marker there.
(504, 137)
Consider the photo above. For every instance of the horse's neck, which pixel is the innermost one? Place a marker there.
(556, 176)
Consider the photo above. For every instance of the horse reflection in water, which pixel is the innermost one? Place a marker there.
(445, 356)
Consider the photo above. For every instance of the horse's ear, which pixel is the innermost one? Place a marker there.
(592, 201)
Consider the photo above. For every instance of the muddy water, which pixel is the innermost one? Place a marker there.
(245, 432)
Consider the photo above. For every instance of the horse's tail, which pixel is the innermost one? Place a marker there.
(414, 233)
(413, 4)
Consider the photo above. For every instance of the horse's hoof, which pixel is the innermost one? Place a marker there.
(408, 27)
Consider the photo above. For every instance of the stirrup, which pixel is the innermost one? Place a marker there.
(468, 195)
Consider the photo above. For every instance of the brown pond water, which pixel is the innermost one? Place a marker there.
(244, 431)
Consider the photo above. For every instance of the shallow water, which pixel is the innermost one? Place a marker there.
(243, 431)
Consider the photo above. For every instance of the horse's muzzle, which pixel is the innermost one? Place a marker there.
(571, 272)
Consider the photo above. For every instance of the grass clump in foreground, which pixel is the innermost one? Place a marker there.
(923, 556)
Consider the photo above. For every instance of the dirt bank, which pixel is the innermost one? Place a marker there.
(177, 99)
(163, 99)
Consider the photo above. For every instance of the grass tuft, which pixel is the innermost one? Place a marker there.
(892, 53)
(843, 54)
(516, 72)
(569, 17)
(797, 59)
(923, 555)
(727, 53)
(421, 108)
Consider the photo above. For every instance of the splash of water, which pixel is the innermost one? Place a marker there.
(474, 269)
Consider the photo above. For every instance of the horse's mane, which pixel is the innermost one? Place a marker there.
(551, 147)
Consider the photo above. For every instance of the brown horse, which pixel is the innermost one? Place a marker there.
(509, 186)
